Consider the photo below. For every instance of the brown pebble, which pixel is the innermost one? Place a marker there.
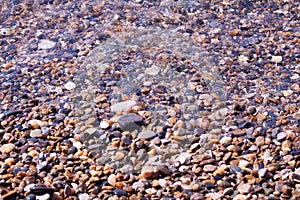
(147, 172)
(286, 189)
(119, 185)
(7, 148)
(238, 132)
(209, 168)
(244, 188)
(234, 32)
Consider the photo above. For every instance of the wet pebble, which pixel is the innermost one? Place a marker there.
(46, 44)
(121, 106)
(147, 134)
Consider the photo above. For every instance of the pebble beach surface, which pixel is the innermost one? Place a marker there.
(244, 142)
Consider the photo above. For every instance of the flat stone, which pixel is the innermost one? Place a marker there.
(209, 168)
(112, 179)
(238, 132)
(259, 141)
(104, 124)
(147, 135)
(162, 183)
(70, 85)
(276, 59)
(197, 196)
(83, 196)
(183, 157)
(281, 136)
(120, 192)
(216, 196)
(225, 140)
(7, 148)
(244, 188)
(138, 184)
(147, 171)
(43, 197)
(262, 172)
(287, 93)
(121, 106)
(243, 163)
(35, 123)
(153, 70)
(240, 197)
(130, 122)
(46, 44)
(36, 133)
(164, 170)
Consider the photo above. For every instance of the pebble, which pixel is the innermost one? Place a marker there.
(130, 122)
(276, 59)
(197, 196)
(70, 85)
(7, 148)
(183, 157)
(147, 135)
(112, 179)
(104, 125)
(244, 188)
(281, 136)
(30, 197)
(147, 171)
(138, 184)
(238, 132)
(225, 140)
(240, 197)
(36, 133)
(46, 44)
(83, 196)
(121, 106)
(262, 172)
(120, 192)
(209, 168)
(43, 197)
(260, 141)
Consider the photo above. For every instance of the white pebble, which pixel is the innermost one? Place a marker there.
(276, 59)
(70, 85)
(36, 133)
(121, 106)
(83, 196)
(104, 124)
(43, 197)
(46, 44)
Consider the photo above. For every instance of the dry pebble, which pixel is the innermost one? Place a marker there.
(7, 148)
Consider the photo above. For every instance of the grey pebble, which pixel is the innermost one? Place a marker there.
(147, 135)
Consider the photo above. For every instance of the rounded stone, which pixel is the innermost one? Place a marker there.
(121, 106)
(112, 179)
(46, 44)
(83, 196)
(147, 135)
(70, 85)
(36, 133)
(7, 148)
